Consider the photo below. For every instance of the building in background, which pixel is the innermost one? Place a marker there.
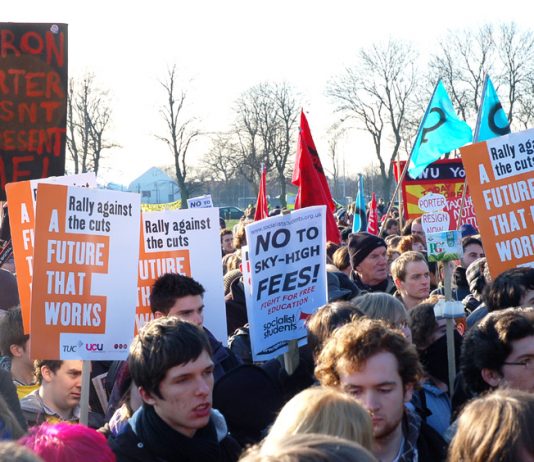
(155, 187)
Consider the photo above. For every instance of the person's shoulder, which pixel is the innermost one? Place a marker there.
(32, 402)
(431, 445)
(127, 446)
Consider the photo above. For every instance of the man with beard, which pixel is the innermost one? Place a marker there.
(369, 263)
(412, 278)
(380, 368)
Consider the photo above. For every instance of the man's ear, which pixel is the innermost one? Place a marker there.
(408, 392)
(16, 350)
(158, 314)
(146, 396)
(46, 374)
(398, 283)
(491, 377)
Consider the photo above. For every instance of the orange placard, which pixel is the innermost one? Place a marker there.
(83, 291)
(153, 264)
(500, 174)
(22, 221)
(21, 200)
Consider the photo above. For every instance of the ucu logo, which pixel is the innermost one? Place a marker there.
(94, 346)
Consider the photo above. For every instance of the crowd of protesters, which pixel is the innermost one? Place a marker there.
(371, 384)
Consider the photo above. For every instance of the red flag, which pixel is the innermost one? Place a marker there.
(372, 226)
(309, 176)
(262, 209)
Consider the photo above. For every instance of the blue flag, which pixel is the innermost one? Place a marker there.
(440, 131)
(492, 121)
(359, 222)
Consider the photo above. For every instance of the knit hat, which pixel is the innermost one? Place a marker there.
(468, 230)
(9, 295)
(361, 245)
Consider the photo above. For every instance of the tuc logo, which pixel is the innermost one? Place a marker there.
(72, 348)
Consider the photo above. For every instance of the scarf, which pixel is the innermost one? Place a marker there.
(167, 444)
(411, 427)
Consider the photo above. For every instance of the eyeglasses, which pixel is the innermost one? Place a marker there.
(526, 363)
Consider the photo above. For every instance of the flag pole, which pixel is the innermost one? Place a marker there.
(405, 169)
(475, 140)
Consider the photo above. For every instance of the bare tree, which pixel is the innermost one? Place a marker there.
(516, 53)
(265, 132)
(376, 94)
(181, 131)
(217, 162)
(88, 119)
(335, 133)
(503, 52)
(463, 59)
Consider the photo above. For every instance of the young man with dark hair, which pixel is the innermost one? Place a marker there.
(512, 288)
(15, 352)
(181, 296)
(227, 241)
(472, 250)
(412, 278)
(170, 361)
(380, 368)
(499, 352)
(58, 395)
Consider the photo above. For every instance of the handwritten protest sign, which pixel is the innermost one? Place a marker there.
(185, 242)
(33, 109)
(200, 202)
(21, 197)
(288, 278)
(443, 178)
(85, 273)
(500, 173)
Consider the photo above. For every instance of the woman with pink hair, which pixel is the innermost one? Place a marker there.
(64, 442)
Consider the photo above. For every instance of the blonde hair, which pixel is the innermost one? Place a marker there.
(495, 428)
(382, 306)
(309, 447)
(325, 411)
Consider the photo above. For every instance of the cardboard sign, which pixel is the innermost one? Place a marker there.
(200, 202)
(500, 172)
(21, 197)
(287, 278)
(85, 273)
(33, 108)
(444, 246)
(443, 178)
(185, 242)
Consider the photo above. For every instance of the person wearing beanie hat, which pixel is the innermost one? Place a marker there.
(369, 263)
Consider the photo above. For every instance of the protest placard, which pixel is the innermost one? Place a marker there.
(500, 173)
(288, 278)
(33, 109)
(444, 178)
(85, 273)
(185, 242)
(21, 197)
(444, 246)
(200, 202)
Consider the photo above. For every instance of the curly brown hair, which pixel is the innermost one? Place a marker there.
(353, 344)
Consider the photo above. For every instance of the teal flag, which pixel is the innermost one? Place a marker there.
(440, 131)
(359, 222)
(492, 121)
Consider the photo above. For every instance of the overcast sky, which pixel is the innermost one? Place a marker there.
(225, 47)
